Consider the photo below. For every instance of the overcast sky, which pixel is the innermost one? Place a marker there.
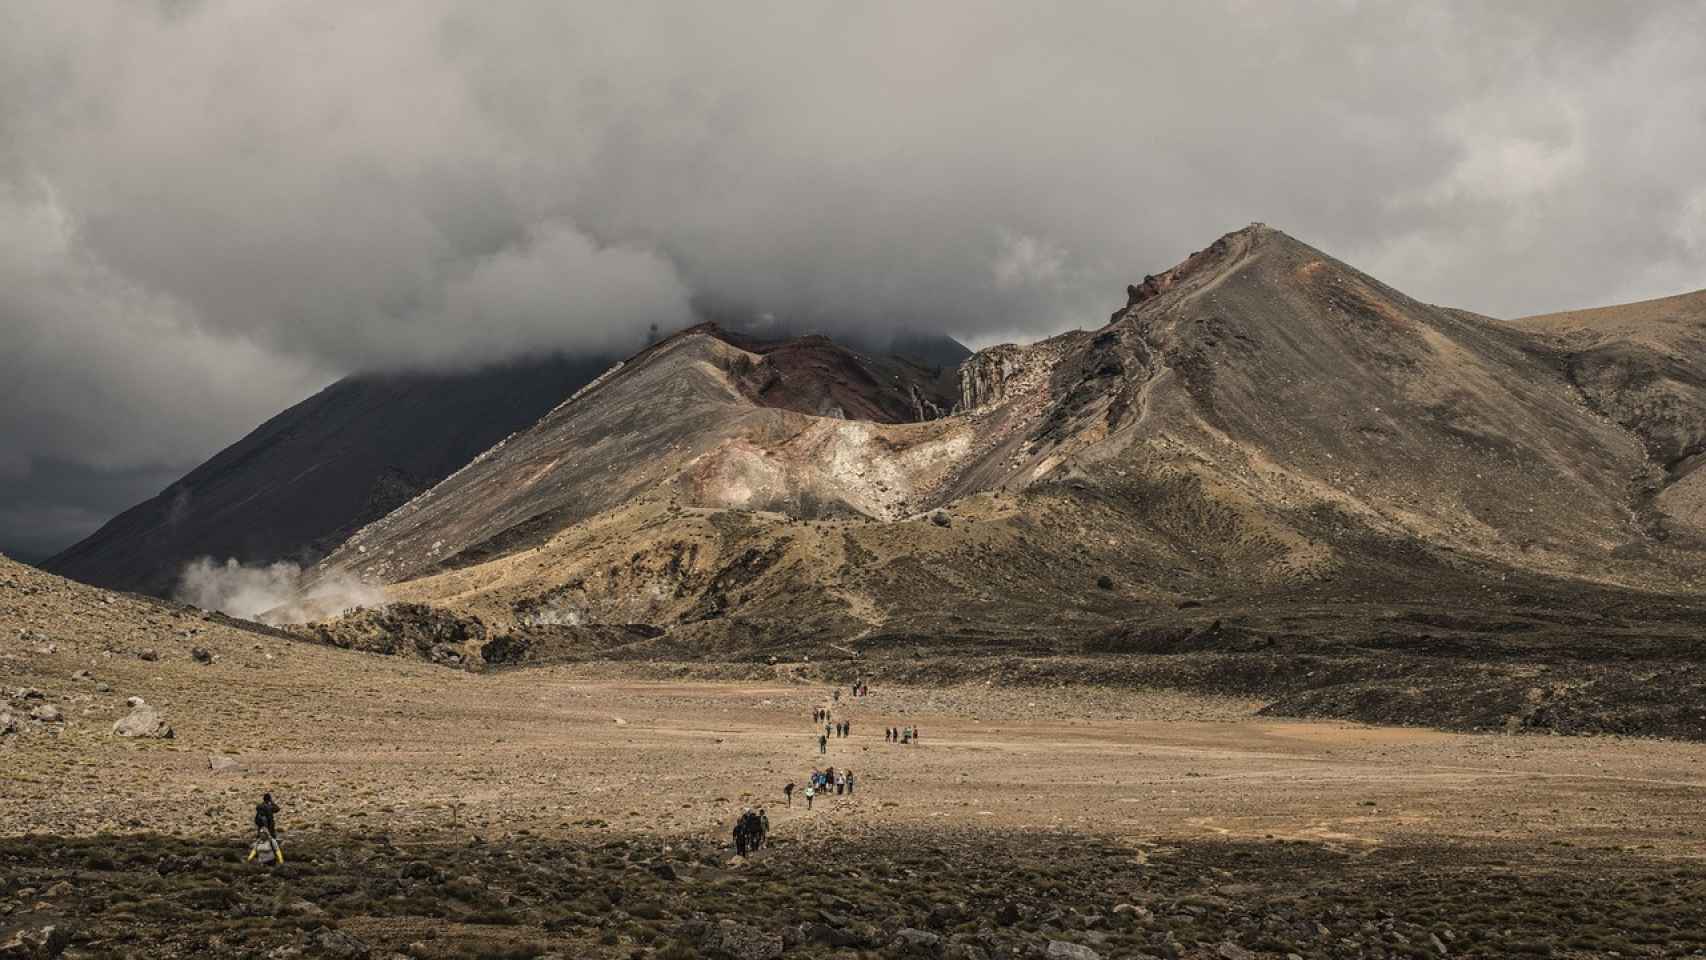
(209, 210)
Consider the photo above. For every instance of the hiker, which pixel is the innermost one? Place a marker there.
(840, 783)
(740, 837)
(810, 792)
(266, 829)
(788, 791)
(847, 728)
(915, 736)
(906, 735)
(822, 744)
(837, 694)
(763, 827)
(850, 783)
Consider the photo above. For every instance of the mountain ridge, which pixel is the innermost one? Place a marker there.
(1261, 423)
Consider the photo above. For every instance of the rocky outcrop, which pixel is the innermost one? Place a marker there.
(984, 376)
(405, 629)
(1156, 284)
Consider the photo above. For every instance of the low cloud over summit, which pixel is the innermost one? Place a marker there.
(208, 211)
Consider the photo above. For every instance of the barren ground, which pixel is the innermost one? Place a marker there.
(583, 810)
(1152, 798)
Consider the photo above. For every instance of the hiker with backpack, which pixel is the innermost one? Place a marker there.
(266, 830)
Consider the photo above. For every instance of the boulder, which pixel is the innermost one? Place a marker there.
(201, 655)
(832, 936)
(82, 675)
(8, 724)
(47, 713)
(148, 653)
(219, 763)
(912, 942)
(1061, 950)
(332, 942)
(1232, 951)
(143, 721)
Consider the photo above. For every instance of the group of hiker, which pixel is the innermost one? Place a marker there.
(900, 735)
(751, 830)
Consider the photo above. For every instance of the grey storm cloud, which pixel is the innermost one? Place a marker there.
(208, 210)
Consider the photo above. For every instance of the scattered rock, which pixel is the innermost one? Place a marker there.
(333, 942)
(47, 713)
(736, 941)
(143, 721)
(39, 943)
(299, 908)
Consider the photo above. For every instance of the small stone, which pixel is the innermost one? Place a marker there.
(134, 702)
(149, 654)
(201, 655)
(103, 687)
(47, 713)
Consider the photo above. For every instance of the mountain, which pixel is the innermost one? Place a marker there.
(1264, 445)
(302, 482)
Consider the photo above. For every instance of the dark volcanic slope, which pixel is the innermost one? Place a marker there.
(1644, 366)
(309, 477)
